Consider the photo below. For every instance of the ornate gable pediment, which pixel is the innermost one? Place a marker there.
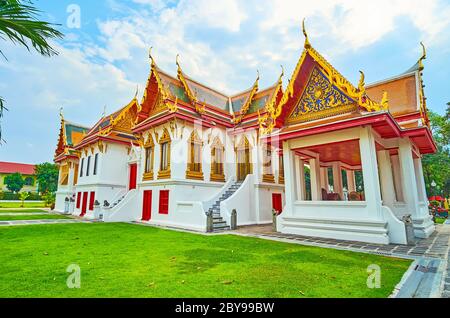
(320, 98)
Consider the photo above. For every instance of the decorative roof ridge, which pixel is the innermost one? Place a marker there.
(190, 79)
(334, 76)
(154, 70)
(246, 106)
(272, 111)
(180, 75)
(121, 113)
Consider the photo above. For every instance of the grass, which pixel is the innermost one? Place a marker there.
(31, 217)
(19, 204)
(439, 220)
(126, 260)
(22, 211)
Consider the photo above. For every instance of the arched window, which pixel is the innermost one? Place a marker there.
(267, 164)
(243, 159)
(149, 148)
(280, 168)
(164, 165)
(194, 166)
(217, 161)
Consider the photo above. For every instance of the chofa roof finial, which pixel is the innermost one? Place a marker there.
(307, 44)
(61, 114)
(423, 57)
(361, 84)
(282, 73)
(150, 55)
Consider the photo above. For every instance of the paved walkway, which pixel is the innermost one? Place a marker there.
(34, 222)
(436, 246)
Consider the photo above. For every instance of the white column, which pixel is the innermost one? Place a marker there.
(337, 180)
(370, 172)
(386, 179)
(324, 177)
(423, 226)
(422, 192)
(397, 174)
(408, 176)
(300, 177)
(351, 181)
(316, 189)
(289, 178)
(71, 176)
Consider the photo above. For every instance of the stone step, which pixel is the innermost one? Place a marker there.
(220, 226)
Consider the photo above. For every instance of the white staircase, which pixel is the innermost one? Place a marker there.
(219, 224)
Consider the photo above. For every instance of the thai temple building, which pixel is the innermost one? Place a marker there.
(328, 158)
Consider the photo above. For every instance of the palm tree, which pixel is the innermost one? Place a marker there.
(20, 25)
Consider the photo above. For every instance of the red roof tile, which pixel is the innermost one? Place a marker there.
(12, 167)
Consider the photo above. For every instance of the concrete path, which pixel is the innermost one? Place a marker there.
(436, 246)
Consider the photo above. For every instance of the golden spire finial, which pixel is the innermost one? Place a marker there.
(61, 115)
(307, 44)
(257, 77)
(423, 57)
(361, 84)
(282, 74)
(150, 56)
(178, 60)
(385, 101)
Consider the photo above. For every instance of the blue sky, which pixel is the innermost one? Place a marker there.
(221, 44)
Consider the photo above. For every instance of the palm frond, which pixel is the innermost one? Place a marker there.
(19, 24)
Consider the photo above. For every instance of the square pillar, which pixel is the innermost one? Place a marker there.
(370, 172)
(421, 189)
(397, 174)
(289, 178)
(337, 179)
(351, 183)
(324, 178)
(423, 226)
(316, 189)
(386, 179)
(300, 174)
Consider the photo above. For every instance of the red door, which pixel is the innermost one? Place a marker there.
(91, 201)
(147, 206)
(133, 175)
(277, 204)
(84, 205)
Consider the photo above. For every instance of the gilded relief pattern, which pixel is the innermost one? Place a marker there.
(319, 95)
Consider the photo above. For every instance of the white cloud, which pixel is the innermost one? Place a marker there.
(359, 23)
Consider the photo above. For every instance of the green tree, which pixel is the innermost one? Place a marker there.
(436, 167)
(19, 24)
(47, 177)
(22, 197)
(14, 182)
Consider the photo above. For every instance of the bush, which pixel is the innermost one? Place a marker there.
(33, 196)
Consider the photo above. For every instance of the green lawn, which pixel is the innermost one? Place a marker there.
(22, 211)
(126, 260)
(31, 217)
(19, 204)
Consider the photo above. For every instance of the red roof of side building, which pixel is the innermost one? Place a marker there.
(12, 167)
